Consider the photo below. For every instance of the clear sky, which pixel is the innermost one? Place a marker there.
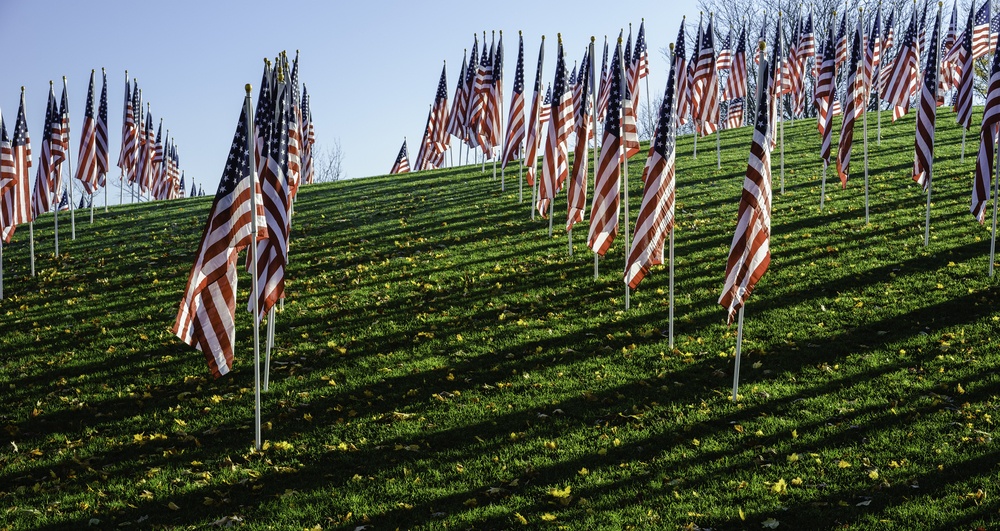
(371, 67)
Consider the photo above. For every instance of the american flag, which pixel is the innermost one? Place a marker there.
(294, 148)
(308, 168)
(693, 86)
(555, 159)
(64, 202)
(576, 193)
(546, 111)
(577, 83)
(606, 203)
(437, 127)
(471, 73)
(994, 32)
(8, 179)
(792, 76)
(750, 254)
(515, 117)
(736, 83)
(950, 74)
(86, 169)
(680, 66)
(725, 58)
(459, 104)
(422, 163)
(156, 184)
(630, 111)
(136, 136)
(987, 138)
(533, 127)
(60, 136)
(194, 189)
(963, 99)
(102, 133)
(807, 39)
(20, 146)
(842, 39)
(478, 104)
(656, 213)
(602, 98)
(272, 252)
(923, 159)
(774, 85)
(734, 114)
(826, 94)
(903, 73)
(640, 56)
(706, 79)
(45, 190)
(182, 191)
(402, 164)
(982, 41)
(855, 99)
(206, 319)
(873, 55)
(495, 107)
(125, 154)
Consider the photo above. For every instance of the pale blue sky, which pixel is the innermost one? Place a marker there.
(371, 67)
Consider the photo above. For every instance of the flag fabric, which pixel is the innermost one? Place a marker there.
(87, 169)
(855, 100)
(987, 137)
(20, 210)
(459, 105)
(826, 95)
(309, 139)
(45, 190)
(656, 213)
(982, 41)
(761, 39)
(949, 74)
(602, 98)
(272, 252)
(873, 55)
(693, 86)
(724, 61)
(706, 82)
(437, 126)
(555, 159)
(534, 125)
(480, 101)
(495, 106)
(640, 55)
(923, 156)
(734, 114)
(101, 134)
(792, 70)
(8, 180)
(576, 193)
(472, 73)
(994, 32)
(842, 39)
(963, 98)
(680, 66)
(736, 83)
(750, 254)
(64, 202)
(206, 319)
(606, 203)
(402, 164)
(630, 103)
(903, 74)
(421, 163)
(515, 118)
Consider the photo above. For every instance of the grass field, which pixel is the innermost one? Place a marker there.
(442, 363)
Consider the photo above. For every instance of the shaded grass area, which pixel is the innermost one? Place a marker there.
(441, 362)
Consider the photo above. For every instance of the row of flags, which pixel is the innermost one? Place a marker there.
(282, 136)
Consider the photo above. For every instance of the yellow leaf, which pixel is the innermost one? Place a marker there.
(180, 422)
(873, 474)
(843, 464)
(738, 428)
(795, 434)
(779, 487)
(173, 506)
(471, 502)
(557, 493)
(959, 390)
(696, 442)
(583, 471)
(793, 458)
(797, 482)
(523, 520)
(743, 517)
(548, 517)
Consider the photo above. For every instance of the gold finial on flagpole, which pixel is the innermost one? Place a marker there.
(249, 89)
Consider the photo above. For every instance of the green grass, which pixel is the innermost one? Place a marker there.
(441, 363)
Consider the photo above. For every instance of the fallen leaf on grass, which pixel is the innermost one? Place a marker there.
(770, 523)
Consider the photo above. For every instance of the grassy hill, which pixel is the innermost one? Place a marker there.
(441, 362)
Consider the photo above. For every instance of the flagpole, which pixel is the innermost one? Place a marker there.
(69, 179)
(927, 223)
(781, 112)
(822, 187)
(864, 143)
(670, 253)
(520, 174)
(31, 245)
(1, 268)
(739, 348)
(628, 244)
(270, 344)
(878, 106)
(996, 184)
(248, 105)
(962, 157)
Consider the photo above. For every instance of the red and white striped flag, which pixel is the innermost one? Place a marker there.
(949, 74)
(494, 109)
(826, 95)
(736, 83)
(309, 140)
(101, 134)
(902, 81)
(44, 194)
(18, 210)
(459, 104)
(963, 99)
(724, 61)
(607, 183)
(855, 100)
(923, 159)
(602, 97)
(576, 193)
(438, 135)
(750, 254)
(555, 159)
(873, 56)
(693, 87)
(630, 103)
(987, 138)
(640, 56)
(983, 41)
(206, 319)
(86, 169)
(8, 179)
(402, 164)
(680, 66)
(533, 127)
(656, 215)
(515, 118)
(475, 81)
(734, 114)
(706, 80)
(842, 39)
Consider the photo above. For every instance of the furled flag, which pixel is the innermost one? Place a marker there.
(826, 94)
(725, 57)
(515, 118)
(495, 106)
(45, 190)
(479, 101)
(471, 72)
(987, 138)
(459, 104)
(981, 35)
(309, 141)
(555, 160)
(693, 87)
(949, 67)
(438, 135)
(194, 188)
(101, 134)
(294, 148)
(630, 125)
(533, 128)
(736, 83)
(706, 79)
(602, 97)
(734, 114)
(656, 215)
(129, 155)
(903, 77)
(86, 169)
(873, 55)
(923, 155)
(182, 187)
(402, 164)
(750, 254)
(8, 179)
(20, 210)
(576, 193)
(206, 319)
(842, 39)
(855, 99)
(963, 100)
(884, 69)
(422, 163)
(680, 66)
(640, 55)
(64, 202)
(272, 252)
(793, 70)
(60, 137)
(606, 203)
(546, 111)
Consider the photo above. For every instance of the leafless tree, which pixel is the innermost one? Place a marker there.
(329, 161)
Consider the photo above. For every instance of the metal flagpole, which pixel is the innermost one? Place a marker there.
(781, 108)
(628, 245)
(1, 269)
(864, 143)
(534, 194)
(31, 245)
(822, 188)
(697, 129)
(927, 223)
(996, 185)
(962, 157)
(69, 179)
(552, 207)
(670, 247)
(253, 265)
(520, 173)
(270, 345)
(739, 347)
(121, 191)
